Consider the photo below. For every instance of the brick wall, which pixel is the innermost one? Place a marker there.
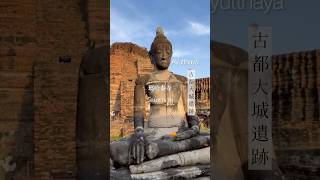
(296, 99)
(55, 89)
(61, 38)
(202, 93)
(98, 30)
(296, 123)
(38, 84)
(127, 60)
(17, 54)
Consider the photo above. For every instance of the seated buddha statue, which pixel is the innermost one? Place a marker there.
(167, 95)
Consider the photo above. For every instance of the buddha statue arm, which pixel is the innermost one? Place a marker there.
(139, 102)
(138, 141)
(139, 106)
(192, 120)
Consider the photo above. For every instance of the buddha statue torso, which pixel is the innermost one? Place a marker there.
(165, 95)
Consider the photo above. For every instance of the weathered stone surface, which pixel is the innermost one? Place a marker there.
(98, 29)
(295, 99)
(187, 172)
(127, 61)
(17, 54)
(296, 124)
(200, 156)
(55, 94)
(230, 115)
(119, 149)
(91, 128)
(202, 93)
(16, 80)
(120, 174)
(160, 148)
(55, 87)
(37, 101)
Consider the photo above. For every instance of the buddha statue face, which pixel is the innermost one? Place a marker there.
(161, 56)
(161, 51)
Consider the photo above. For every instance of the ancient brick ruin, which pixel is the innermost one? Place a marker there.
(203, 93)
(41, 46)
(127, 60)
(296, 122)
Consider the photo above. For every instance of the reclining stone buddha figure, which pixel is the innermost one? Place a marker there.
(167, 95)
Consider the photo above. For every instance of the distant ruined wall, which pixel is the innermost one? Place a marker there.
(202, 93)
(127, 61)
(296, 90)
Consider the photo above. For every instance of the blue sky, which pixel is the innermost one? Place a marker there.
(186, 24)
(295, 28)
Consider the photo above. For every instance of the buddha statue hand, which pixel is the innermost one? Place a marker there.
(186, 134)
(137, 146)
(193, 130)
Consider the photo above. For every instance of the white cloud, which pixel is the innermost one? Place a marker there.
(185, 51)
(177, 53)
(198, 28)
(124, 28)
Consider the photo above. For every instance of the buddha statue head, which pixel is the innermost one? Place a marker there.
(161, 51)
